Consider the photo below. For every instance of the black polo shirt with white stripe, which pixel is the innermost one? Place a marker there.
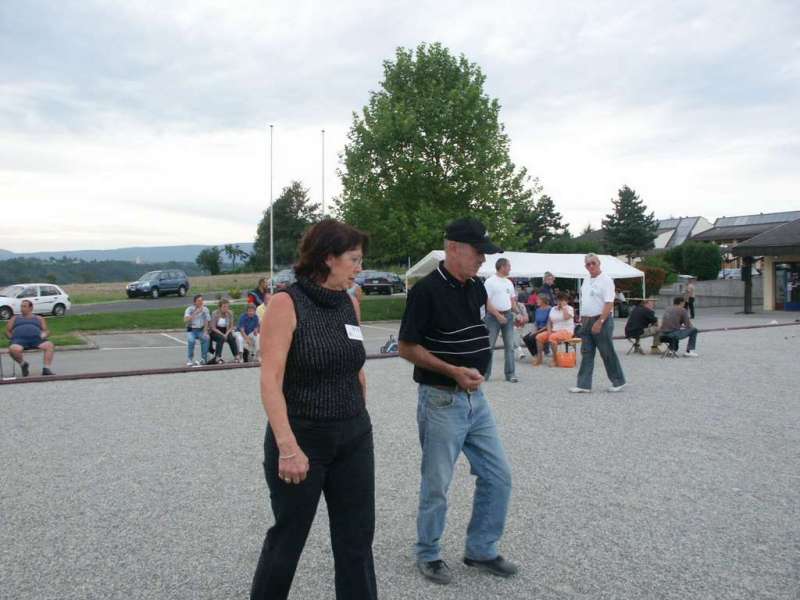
(445, 316)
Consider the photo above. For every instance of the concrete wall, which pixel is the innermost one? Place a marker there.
(721, 292)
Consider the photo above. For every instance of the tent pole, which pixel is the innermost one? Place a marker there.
(644, 289)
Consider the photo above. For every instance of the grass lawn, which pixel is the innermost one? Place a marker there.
(63, 329)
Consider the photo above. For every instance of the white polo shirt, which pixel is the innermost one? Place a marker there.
(595, 293)
(500, 291)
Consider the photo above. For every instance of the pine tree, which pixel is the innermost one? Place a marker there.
(541, 224)
(629, 229)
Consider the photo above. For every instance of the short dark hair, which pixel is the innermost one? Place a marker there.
(563, 296)
(501, 262)
(678, 300)
(196, 297)
(327, 237)
(26, 301)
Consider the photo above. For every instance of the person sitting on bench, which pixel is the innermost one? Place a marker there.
(676, 323)
(642, 323)
(560, 327)
(222, 327)
(247, 335)
(28, 332)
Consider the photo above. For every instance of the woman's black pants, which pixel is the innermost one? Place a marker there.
(342, 467)
(219, 343)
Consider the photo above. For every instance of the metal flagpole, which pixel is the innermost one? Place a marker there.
(271, 241)
(323, 173)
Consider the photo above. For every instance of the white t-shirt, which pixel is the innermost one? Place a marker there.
(595, 292)
(558, 320)
(500, 291)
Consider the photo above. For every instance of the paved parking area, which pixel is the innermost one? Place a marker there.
(687, 485)
(154, 350)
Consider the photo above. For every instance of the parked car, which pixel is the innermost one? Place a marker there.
(283, 279)
(48, 299)
(380, 282)
(159, 283)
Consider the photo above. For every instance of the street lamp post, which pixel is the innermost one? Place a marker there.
(271, 241)
(323, 173)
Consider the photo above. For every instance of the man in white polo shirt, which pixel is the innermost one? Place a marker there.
(500, 316)
(597, 328)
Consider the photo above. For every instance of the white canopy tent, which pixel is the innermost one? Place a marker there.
(532, 264)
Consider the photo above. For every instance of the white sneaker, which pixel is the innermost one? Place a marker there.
(691, 354)
(190, 364)
(579, 390)
(616, 388)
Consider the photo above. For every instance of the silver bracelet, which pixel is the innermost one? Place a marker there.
(287, 457)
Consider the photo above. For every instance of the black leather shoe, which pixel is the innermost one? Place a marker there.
(25, 369)
(436, 571)
(497, 566)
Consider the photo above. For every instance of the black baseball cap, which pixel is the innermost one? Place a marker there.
(472, 232)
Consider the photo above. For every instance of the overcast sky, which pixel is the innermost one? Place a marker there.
(145, 123)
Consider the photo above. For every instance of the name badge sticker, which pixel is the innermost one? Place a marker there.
(483, 311)
(354, 332)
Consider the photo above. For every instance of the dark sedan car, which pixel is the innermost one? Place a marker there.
(380, 282)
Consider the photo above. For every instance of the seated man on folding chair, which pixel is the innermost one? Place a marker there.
(643, 323)
(29, 332)
(676, 324)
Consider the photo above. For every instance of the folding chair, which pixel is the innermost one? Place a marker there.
(671, 350)
(13, 369)
(635, 347)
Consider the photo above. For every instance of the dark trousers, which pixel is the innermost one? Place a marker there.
(219, 343)
(342, 466)
(691, 308)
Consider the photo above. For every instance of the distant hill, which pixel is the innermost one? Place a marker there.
(141, 254)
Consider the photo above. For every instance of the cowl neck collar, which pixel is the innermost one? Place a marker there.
(321, 295)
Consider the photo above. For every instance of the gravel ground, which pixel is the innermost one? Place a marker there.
(687, 485)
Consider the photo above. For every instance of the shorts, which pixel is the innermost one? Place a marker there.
(27, 343)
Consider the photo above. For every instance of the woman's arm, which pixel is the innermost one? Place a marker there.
(280, 323)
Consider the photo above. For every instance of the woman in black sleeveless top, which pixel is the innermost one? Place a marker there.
(319, 437)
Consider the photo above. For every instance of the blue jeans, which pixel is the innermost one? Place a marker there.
(604, 343)
(191, 338)
(681, 334)
(495, 328)
(450, 422)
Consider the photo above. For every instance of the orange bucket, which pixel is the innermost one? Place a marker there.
(566, 359)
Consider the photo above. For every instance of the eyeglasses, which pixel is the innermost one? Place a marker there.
(592, 263)
(356, 260)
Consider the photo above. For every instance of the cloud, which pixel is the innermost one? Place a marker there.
(147, 123)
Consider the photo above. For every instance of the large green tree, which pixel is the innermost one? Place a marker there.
(629, 228)
(429, 147)
(542, 223)
(293, 214)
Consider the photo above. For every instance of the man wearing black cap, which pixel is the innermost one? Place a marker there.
(444, 335)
